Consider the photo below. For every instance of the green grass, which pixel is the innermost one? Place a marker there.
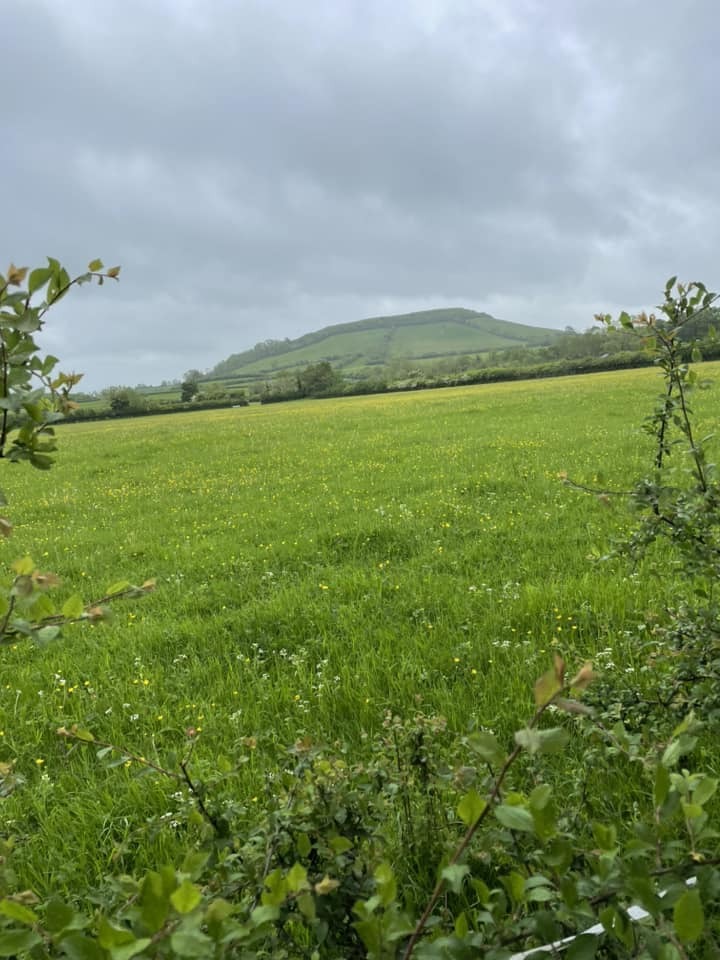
(318, 564)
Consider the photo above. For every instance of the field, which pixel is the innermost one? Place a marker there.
(318, 563)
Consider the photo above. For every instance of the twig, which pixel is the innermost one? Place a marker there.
(467, 838)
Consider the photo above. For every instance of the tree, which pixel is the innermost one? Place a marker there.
(188, 390)
(124, 400)
(317, 379)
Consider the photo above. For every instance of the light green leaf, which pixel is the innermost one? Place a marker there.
(297, 878)
(119, 587)
(192, 943)
(471, 807)
(515, 818)
(47, 634)
(38, 278)
(18, 911)
(704, 790)
(110, 935)
(486, 746)
(552, 740)
(129, 950)
(73, 607)
(186, 897)
(454, 875)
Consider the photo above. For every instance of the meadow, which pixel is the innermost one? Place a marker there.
(318, 564)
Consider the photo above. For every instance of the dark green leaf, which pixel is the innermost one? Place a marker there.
(79, 947)
(583, 947)
(689, 917)
(15, 942)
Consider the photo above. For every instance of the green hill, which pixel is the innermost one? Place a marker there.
(362, 348)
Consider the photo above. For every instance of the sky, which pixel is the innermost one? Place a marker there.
(265, 168)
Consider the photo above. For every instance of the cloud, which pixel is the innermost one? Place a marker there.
(264, 168)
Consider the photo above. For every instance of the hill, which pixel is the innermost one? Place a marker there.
(362, 348)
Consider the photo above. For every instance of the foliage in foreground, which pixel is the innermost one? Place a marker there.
(342, 862)
(33, 398)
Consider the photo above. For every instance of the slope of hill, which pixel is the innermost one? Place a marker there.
(357, 348)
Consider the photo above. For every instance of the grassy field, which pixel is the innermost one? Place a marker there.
(318, 563)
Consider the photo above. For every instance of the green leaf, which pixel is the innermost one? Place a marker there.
(47, 634)
(15, 942)
(154, 901)
(186, 897)
(194, 862)
(306, 905)
(129, 950)
(264, 914)
(515, 818)
(59, 915)
(514, 883)
(486, 746)
(540, 797)
(79, 947)
(38, 278)
(297, 878)
(583, 947)
(73, 607)
(95, 265)
(454, 875)
(704, 790)
(605, 837)
(471, 807)
(110, 935)
(119, 587)
(340, 845)
(546, 687)
(192, 943)
(689, 917)
(462, 927)
(552, 740)
(18, 911)
(386, 883)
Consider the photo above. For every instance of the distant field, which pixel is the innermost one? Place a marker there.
(318, 563)
(354, 348)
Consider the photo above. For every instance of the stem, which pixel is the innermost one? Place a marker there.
(6, 618)
(469, 834)
(4, 426)
(183, 777)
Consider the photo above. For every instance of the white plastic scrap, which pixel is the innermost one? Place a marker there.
(635, 913)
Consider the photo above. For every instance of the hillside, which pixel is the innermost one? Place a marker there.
(365, 346)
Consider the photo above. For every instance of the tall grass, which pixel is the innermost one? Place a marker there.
(318, 564)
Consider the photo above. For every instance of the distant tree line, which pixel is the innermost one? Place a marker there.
(571, 353)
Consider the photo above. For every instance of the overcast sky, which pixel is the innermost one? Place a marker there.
(263, 168)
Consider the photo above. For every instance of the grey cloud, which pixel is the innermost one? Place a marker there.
(263, 168)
